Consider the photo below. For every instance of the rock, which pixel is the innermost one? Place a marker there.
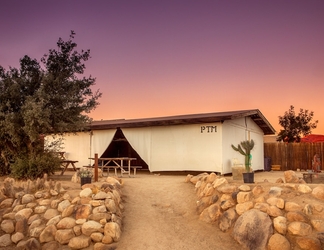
(114, 181)
(35, 223)
(297, 216)
(48, 234)
(68, 211)
(101, 209)
(227, 189)
(66, 223)
(278, 242)
(253, 229)
(101, 246)
(8, 226)
(263, 207)
(218, 182)
(23, 214)
(21, 226)
(299, 228)
(275, 191)
(54, 220)
(318, 225)
(318, 208)
(40, 209)
(5, 240)
(112, 230)
(100, 216)
(211, 178)
(35, 232)
(101, 196)
(227, 219)
(188, 177)
(77, 230)
(306, 243)
(244, 197)
(226, 204)
(96, 237)
(320, 237)
(259, 199)
(279, 180)
(79, 242)
(64, 236)
(305, 189)
(111, 205)
(52, 245)
(318, 192)
(257, 190)
(90, 227)
(308, 209)
(211, 213)
(243, 207)
(83, 211)
(292, 206)
(16, 237)
(27, 198)
(274, 211)
(62, 205)
(6, 203)
(87, 192)
(280, 224)
(32, 243)
(291, 177)
(50, 213)
(244, 188)
(275, 201)
(290, 185)
(17, 207)
(208, 190)
(96, 203)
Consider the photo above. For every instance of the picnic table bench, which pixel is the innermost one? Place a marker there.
(313, 177)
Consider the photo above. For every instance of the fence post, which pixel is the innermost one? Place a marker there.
(96, 168)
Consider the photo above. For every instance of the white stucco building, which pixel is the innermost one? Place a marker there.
(200, 142)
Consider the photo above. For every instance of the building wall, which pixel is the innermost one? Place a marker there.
(186, 147)
(193, 147)
(176, 148)
(235, 131)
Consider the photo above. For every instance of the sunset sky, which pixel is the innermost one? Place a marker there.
(172, 57)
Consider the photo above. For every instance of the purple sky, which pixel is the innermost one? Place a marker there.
(161, 58)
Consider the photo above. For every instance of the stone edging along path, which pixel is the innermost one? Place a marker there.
(41, 215)
(282, 216)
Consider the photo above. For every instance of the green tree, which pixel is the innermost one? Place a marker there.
(294, 125)
(40, 98)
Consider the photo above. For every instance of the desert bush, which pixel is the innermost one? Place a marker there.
(34, 167)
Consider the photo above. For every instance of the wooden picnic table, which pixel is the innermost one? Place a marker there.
(66, 163)
(119, 163)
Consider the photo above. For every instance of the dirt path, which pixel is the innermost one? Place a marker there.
(160, 213)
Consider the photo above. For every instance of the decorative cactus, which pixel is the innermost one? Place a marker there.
(245, 148)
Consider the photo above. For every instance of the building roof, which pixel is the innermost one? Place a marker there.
(255, 115)
(312, 138)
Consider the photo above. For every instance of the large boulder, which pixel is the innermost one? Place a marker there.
(253, 229)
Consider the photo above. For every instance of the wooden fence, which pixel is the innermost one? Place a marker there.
(293, 156)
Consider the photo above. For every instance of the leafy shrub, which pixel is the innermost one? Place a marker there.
(34, 167)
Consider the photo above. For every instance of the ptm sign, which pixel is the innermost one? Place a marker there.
(208, 129)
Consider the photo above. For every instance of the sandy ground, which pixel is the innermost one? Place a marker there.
(160, 212)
